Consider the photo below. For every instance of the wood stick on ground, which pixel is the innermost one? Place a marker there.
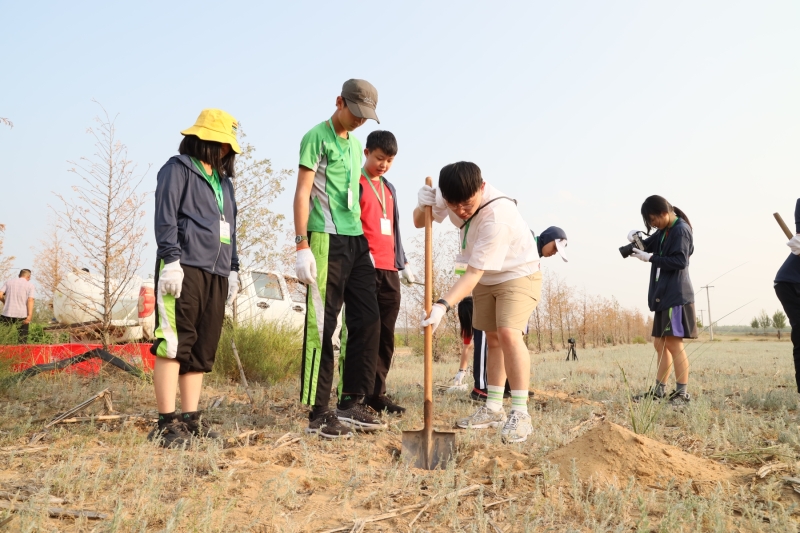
(6, 520)
(21, 497)
(91, 418)
(498, 502)
(77, 408)
(423, 510)
(495, 526)
(22, 449)
(58, 512)
(766, 470)
(358, 526)
(241, 371)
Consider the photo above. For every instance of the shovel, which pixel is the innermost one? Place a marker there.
(428, 448)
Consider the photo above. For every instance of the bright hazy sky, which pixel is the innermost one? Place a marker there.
(580, 110)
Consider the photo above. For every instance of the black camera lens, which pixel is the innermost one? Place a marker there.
(626, 250)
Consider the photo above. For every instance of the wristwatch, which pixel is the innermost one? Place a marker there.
(443, 302)
(300, 238)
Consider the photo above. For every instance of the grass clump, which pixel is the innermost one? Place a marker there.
(270, 352)
(638, 339)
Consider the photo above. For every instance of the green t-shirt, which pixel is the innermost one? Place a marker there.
(212, 180)
(337, 170)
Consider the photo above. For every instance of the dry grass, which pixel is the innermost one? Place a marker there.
(743, 414)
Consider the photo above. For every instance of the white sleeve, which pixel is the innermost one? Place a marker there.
(491, 247)
(32, 291)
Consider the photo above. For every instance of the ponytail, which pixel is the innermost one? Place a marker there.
(683, 216)
(465, 317)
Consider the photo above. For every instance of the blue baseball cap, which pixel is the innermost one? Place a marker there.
(553, 234)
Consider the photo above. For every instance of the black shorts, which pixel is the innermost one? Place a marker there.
(679, 321)
(188, 328)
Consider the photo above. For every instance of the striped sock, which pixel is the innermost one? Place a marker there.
(519, 400)
(494, 397)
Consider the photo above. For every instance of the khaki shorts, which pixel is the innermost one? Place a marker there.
(506, 305)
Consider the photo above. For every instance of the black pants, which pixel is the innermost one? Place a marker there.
(480, 354)
(345, 275)
(789, 295)
(388, 291)
(191, 324)
(22, 327)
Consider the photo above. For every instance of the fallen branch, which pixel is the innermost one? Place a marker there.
(92, 418)
(495, 526)
(22, 449)
(58, 512)
(77, 408)
(498, 502)
(19, 496)
(766, 470)
(423, 510)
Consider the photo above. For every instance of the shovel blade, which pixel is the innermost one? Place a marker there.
(428, 450)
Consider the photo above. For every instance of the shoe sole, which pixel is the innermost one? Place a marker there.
(486, 425)
(360, 426)
(312, 431)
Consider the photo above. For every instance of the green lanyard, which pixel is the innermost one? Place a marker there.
(466, 229)
(382, 198)
(665, 235)
(212, 180)
(348, 166)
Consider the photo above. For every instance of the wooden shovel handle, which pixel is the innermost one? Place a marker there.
(428, 349)
(783, 225)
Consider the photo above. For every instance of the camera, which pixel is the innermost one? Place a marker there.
(571, 340)
(627, 250)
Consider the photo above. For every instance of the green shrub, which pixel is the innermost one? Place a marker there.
(638, 339)
(270, 352)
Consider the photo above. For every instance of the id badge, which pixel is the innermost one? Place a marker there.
(658, 273)
(350, 199)
(460, 265)
(224, 232)
(386, 226)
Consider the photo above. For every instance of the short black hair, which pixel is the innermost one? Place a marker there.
(384, 140)
(24, 271)
(208, 152)
(658, 205)
(460, 181)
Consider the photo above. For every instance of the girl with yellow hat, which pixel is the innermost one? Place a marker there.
(196, 270)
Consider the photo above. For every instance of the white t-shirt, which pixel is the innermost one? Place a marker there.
(498, 241)
(17, 291)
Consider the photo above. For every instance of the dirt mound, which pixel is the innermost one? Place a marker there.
(612, 454)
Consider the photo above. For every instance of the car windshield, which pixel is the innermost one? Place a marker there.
(267, 286)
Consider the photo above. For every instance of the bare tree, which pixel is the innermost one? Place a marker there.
(103, 220)
(52, 261)
(259, 230)
(7, 122)
(6, 262)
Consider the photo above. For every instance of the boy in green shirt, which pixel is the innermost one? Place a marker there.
(333, 260)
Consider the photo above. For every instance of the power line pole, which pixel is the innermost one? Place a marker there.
(710, 322)
(702, 321)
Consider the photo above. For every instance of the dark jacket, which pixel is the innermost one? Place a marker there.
(187, 219)
(673, 287)
(399, 252)
(790, 270)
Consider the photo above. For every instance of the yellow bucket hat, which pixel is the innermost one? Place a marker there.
(216, 125)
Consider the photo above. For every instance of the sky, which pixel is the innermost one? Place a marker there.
(579, 110)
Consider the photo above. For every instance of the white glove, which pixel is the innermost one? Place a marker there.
(306, 267)
(641, 255)
(437, 312)
(407, 275)
(426, 196)
(459, 377)
(170, 280)
(794, 244)
(233, 287)
(631, 234)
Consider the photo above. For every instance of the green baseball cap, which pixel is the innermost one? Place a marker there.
(361, 98)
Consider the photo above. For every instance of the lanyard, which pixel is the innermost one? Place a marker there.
(212, 180)
(382, 198)
(665, 235)
(466, 224)
(348, 166)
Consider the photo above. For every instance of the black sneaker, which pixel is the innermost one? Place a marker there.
(383, 403)
(652, 394)
(172, 435)
(478, 395)
(679, 398)
(361, 417)
(199, 426)
(326, 425)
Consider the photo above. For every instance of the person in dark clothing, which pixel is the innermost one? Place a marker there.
(196, 270)
(670, 295)
(787, 288)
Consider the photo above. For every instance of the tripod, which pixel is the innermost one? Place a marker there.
(571, 350)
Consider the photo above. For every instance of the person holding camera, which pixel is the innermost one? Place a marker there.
(670, 296)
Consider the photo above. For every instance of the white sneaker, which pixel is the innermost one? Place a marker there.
(517, 427)
(483, 418)
(456, 388)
